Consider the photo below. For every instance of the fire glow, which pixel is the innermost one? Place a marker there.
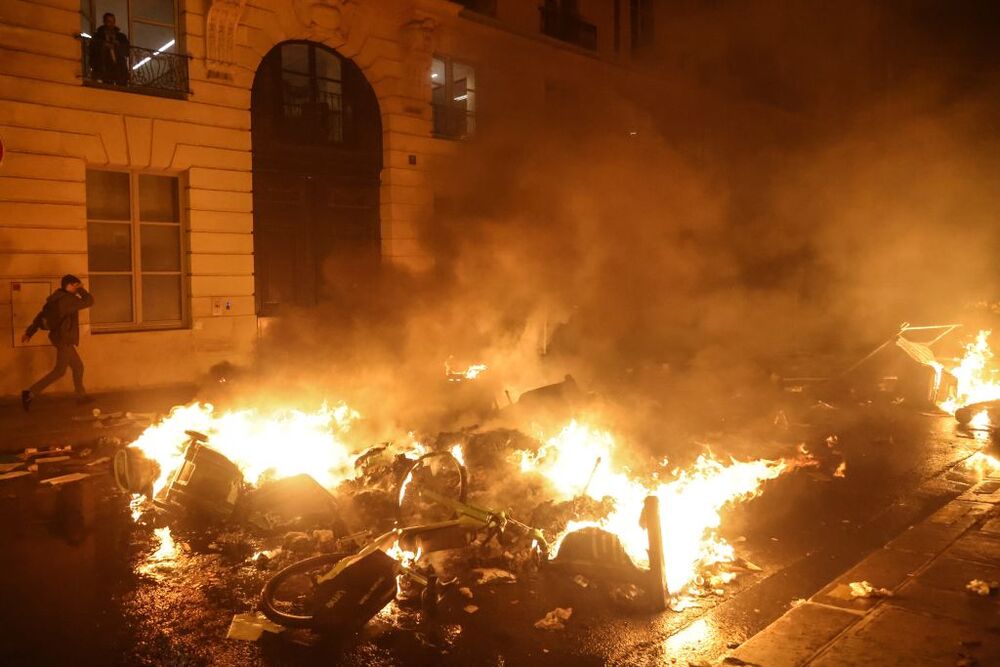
(976, 379)
(582, 460)
(278, 444)
(577, 461)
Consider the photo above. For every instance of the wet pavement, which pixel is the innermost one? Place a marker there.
(57, 419)
(928, 614)
(84, 584)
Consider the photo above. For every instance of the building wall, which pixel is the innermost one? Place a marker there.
(54, 128)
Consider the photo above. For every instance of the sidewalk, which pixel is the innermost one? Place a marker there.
(56, 420)
(930, 618)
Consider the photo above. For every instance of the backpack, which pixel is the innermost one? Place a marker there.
(50, 316)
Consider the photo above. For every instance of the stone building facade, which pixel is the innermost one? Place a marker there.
(182, 176)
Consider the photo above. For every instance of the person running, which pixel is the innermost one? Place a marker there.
(60, 316)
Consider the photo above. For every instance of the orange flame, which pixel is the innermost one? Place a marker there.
(279, 444)
(976, 377)
(984, 464)
(582, 460)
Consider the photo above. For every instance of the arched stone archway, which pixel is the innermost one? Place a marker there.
(317, 159)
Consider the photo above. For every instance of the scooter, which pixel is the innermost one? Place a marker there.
(341, 592)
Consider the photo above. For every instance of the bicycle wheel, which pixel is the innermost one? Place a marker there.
(289, 598)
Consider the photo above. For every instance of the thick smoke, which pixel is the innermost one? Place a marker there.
(778, 183)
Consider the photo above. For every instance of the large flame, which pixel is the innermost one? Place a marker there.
(582, 460)
(984, 464)
(277, 444)
(976, 377)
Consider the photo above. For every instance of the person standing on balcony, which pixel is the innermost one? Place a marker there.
(109, 53)
(60, 316)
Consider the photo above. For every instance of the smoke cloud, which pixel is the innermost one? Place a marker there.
(781, 181)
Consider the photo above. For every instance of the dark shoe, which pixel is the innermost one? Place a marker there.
(26, 399)
(84, 400)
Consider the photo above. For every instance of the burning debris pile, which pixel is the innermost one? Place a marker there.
(442, 519)
(912, 372)
(975, 400)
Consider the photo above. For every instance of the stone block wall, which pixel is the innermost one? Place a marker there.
(54, 129)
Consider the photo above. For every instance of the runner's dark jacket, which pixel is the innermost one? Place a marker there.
(64, 309)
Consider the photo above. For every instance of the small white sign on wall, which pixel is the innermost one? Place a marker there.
(26, 299)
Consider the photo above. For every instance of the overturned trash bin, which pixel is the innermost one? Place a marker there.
(596, 553)
(135, 472)
(206, 485)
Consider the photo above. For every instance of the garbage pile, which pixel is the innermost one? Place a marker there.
(435, 524)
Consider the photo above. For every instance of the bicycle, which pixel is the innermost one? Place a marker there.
(344, 590)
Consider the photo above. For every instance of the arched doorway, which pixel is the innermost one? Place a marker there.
(317, 155)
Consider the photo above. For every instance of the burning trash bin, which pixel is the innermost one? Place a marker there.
(207, 484)
(135, 472)
(596, 553)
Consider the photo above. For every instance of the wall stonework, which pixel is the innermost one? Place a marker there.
(54, 128)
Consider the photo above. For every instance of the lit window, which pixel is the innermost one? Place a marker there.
(453, 95)
(148, 24)
(134, 242)
(138, 50)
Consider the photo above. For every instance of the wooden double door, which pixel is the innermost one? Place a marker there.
(316, 237)
(317, 160)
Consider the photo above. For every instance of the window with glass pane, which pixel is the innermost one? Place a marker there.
(150, 24)
(311, 93)
(135, 246)
(453, 97)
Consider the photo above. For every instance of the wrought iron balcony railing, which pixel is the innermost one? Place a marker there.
(137, 70)
(568, 27)
(453, 122)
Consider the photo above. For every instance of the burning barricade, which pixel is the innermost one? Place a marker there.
(413, 523)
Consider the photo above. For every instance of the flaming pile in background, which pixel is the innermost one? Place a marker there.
(977, 379)
(461, 375)
(580, 460)
(277, 444)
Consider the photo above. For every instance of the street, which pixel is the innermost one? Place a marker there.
(117, 592)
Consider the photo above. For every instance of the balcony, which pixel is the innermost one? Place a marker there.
(568, 27)
(487, 7)
(145, 71)
(453, 122)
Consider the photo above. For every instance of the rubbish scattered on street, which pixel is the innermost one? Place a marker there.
(249, 627)
(863, 589)
(555, 619)
(983, 588)
(65, 479)
(486, 575)
(51, 459)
